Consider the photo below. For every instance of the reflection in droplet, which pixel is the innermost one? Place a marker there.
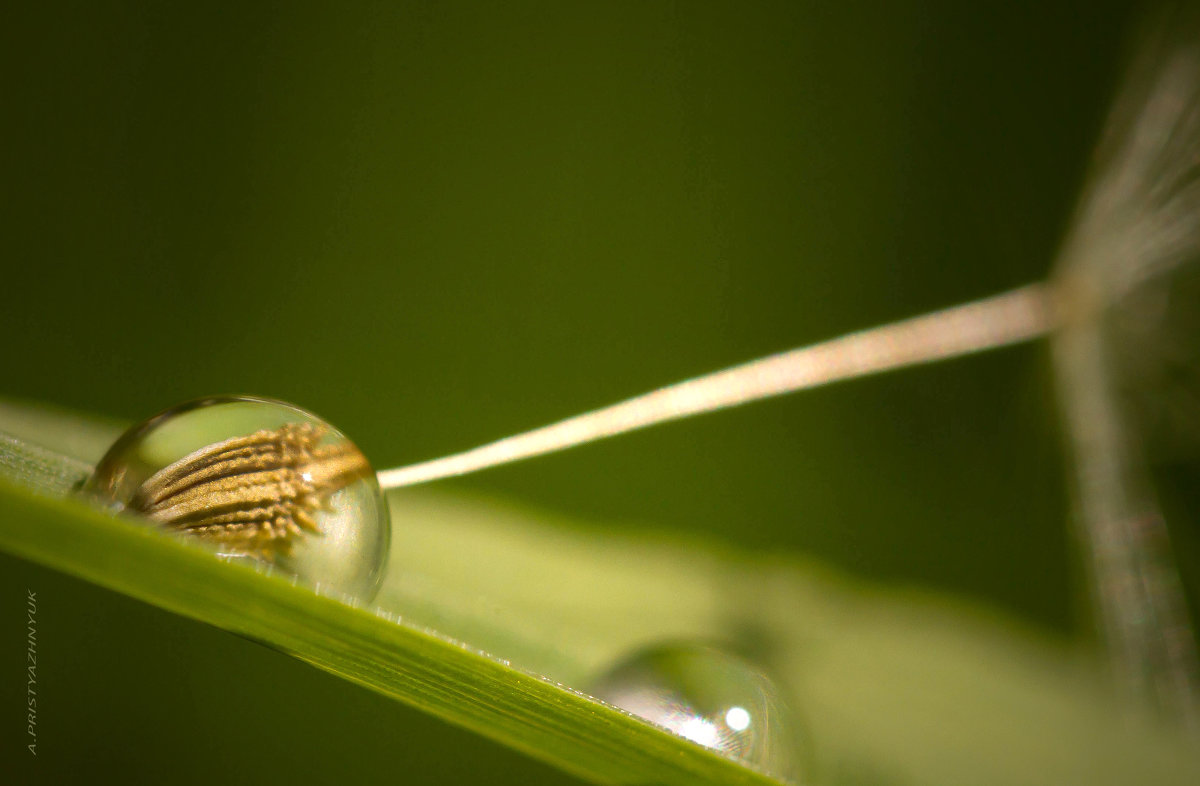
(258, 480)
(712, 698)
(737, 718)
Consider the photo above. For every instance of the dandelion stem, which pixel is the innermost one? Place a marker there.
(1020, 315)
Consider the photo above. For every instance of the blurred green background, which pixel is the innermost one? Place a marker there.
(437, 224)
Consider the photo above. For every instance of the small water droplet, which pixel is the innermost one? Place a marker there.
(258, 480)
(712, 698)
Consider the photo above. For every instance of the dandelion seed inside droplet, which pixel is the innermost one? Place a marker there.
(255, 479)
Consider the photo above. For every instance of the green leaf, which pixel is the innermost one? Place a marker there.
(892, 687)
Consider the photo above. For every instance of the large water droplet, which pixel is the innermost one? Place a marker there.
(256, 479)
(712, 698)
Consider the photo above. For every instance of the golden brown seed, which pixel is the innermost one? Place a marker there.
(253, 494)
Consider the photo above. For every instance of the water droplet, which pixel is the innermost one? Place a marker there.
(256, 479)
(712, 698)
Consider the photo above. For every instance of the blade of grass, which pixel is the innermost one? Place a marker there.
(437, 674)
(893, 687)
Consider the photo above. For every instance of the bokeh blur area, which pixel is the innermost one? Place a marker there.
(437, 224)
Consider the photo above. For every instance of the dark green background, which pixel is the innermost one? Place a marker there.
(436, 224)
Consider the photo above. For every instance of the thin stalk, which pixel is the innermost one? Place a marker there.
(1009, 318)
